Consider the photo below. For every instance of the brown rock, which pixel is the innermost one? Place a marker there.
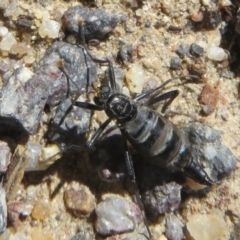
(81, 202)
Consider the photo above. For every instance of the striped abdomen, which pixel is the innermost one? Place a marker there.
(154, 136)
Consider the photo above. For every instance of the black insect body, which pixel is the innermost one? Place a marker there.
(153, 136)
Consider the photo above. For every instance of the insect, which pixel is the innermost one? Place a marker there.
(152, 135)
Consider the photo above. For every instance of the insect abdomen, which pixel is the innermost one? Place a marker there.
(154, 136)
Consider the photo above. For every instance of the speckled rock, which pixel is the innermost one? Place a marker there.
(69, 69)
(5, 154)
(174, 228)
(206, 147)
(97, 23)
(3, 212)
(23, 98)
(163, 198)
(117, 215)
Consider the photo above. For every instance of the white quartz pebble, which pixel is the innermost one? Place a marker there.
(216, 53)
(49, 28)
(3, 31)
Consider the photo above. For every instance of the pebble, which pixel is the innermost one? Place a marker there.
(40, 158)
(212, 19)
(13, 10)
(163, 198)
(196, 50)
(209, 96)
(175, 63)
(207, 227)
(205, 144)
(6, 155)
(3, 31)
(197, 16)
(49, 28)
(3, 210)
(7, 42)
(225, 3)
(216, 53)
(38, 233)
(18, 210)
(81, 201)
(23, 98)
(41, 210)
(174, 228)
(19, 49)
(34, 152)
(135, 78)
(127, 54)
(97, 22)
(116, 215)
(183, 50)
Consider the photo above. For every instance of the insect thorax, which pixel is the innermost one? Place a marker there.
(120, 108)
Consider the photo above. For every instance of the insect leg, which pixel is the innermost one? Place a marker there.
(111, 71)
(168, 95)
(151, 91)
(96, 135)
(87, 105)
(132, 178)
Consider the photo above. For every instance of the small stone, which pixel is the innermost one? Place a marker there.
(3, 210)
(41, 210)
(207, 149)
(209, 96)
(207, 227)
(81, 202)
(135, 78)
(183, 50)
(174, 228)
(97, 23)
(7, 42)
(197, 16)
(19, 49)
(198, 69)
(225, 3)
(175, 63)
(17, 211)
(212, 19)
(3, 31)
(208, 109)
(13, 10)
(40, 158)
(196, 50)
(49, 28)
(205, 2)
(216, 53)
(115, 215)
(38, 233)
(6, 155)
(127, 54)
(23, 98)
(163, 198)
